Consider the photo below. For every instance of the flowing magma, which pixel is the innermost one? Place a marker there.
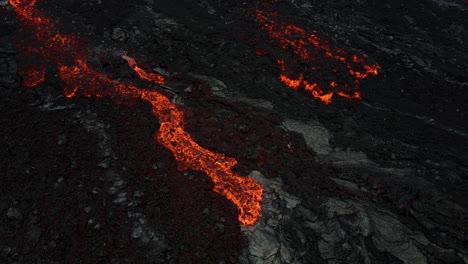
(312, 51)
(66, 52)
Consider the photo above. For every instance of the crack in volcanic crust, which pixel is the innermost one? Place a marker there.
(64, 51)
(311, 51)
(33, 75)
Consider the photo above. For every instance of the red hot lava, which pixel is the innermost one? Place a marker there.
(33, 75)
(65, 52)
(152, 77)
(309, 49)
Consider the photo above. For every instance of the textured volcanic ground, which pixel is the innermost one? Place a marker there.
(378, 180)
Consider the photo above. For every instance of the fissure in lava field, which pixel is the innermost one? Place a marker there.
(212, 131)
(312, 53)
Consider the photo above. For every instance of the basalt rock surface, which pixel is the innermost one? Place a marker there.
(381, 180)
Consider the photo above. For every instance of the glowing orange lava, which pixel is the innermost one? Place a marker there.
(309, 48)
(71, 61)
(152, 77)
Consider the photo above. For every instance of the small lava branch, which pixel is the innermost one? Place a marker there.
(308, 49)
(65, 52)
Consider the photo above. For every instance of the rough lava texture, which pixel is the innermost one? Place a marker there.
(382, 180)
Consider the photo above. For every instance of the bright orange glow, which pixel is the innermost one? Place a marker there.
(309, 48)
(294, 84)
(152, 77)
(80, 78)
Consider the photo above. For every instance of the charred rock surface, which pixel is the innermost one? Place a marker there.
(383, 180)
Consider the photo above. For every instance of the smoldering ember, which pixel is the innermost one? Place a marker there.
(211, 131)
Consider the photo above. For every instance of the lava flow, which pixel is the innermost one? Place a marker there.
(65, 52)
(315, 53)
(33, 75)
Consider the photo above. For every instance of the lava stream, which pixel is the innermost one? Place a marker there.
(65, 52)
(309, 49)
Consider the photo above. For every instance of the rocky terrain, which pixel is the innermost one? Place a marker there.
(377, 180)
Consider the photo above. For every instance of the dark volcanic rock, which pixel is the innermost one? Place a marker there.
(383, 180)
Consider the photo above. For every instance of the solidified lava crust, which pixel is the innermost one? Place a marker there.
(376, 175)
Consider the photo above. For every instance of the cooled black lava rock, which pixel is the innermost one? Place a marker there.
(382, 180)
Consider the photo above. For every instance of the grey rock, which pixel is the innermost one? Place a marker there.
(263, 244)
(316, 135)
(286, 256)
(463, 257)
(9, 82)
(387, 233)
(448, 4)
(268, 243)
(93, 125)
(62, 140)
(161, 71)
(256, 102)
(392, 236)
(218, 87)
(409, 19)
(166, 24)
(418, 61)
(137, 232)
(330, 240)
(121, 198)
(119, 34)
(349, 158)
(337, 207)
(6, 251)
(14, 214)
(220, 227)
(347, 185)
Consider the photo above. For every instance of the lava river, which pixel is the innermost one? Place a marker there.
(66, 53)
(318, 56)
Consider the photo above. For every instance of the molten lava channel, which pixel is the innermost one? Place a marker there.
(65, 52)
(309, 48)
